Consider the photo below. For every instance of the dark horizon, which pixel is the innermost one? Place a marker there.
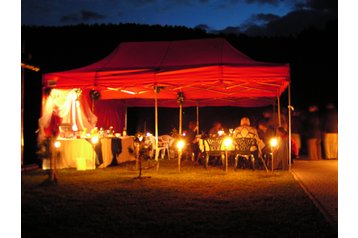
(250, 17)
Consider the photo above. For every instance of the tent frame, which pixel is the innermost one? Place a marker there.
(209, 71)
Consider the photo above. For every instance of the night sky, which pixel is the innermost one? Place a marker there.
(253, 17)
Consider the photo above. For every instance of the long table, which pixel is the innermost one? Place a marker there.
(80, 153)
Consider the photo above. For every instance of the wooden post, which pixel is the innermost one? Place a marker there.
(156, 124)
(279, 110)
(289, 127)
(180, 118)
(197, 118)
(179, 160)
(53, 160)
(125, 117)
(226, 162)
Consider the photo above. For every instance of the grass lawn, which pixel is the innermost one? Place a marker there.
(195, 203)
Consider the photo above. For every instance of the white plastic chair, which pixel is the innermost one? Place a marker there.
(164, 144)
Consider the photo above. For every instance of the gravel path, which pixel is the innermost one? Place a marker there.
(320, 181)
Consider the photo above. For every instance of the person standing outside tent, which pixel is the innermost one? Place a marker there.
(313, 133)
(52, 130)
(297, 130)
(283, 134)
(330, 136)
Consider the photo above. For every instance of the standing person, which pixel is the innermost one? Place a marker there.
(330, 137)
(313, 133)
(51, 132)
(297, 130)
(283, 134)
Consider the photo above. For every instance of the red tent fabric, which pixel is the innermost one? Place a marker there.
(110, 113)
(209, 72)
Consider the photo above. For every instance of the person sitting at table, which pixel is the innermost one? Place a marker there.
(247, 131)
(266, 133)
(216, 130)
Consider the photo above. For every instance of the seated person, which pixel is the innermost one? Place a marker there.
(266, 133)
(247, 131)
(216, 130)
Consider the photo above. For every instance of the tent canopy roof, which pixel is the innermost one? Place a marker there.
(208, 71)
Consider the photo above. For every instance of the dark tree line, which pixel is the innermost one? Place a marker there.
(312, 55)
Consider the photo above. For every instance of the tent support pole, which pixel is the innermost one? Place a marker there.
(180, 119)
(289, 127)
(279, 110)
(92, 101)
(125, 116)
(156, 124)
(197, 118)
(22, 112)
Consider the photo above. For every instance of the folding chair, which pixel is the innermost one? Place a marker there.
(212, 148)
(246, 147)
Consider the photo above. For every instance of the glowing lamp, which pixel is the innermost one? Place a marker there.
(184, 134)
(57, 144)
(74, 127)
(149, 134)
(94, 140)
(273, 142)
(180, 144)
(221, 132)
(228, 142)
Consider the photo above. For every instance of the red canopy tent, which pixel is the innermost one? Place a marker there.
(209, 72)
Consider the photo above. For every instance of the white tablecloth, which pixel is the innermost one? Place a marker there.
(124, 156)
(79, 153)
(74, 153)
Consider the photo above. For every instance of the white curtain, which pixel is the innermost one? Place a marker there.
(73, 109)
